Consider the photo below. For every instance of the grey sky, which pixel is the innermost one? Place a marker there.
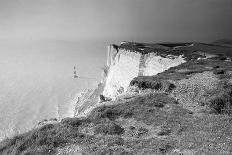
(142, 20)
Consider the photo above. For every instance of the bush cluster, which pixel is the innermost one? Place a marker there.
(150, 83)
(222, 104)
(108, 128)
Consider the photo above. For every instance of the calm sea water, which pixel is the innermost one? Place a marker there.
(36, 80)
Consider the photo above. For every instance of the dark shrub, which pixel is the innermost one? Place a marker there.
(171, 87)
(111, 114)
(133, 83)
(53, 119)
(132, 128)
(142, 131)
(149, 82)
(128, 114)
(156, 86)
(74, 122)
(218, 105)
(223, 103)
(216, 67)
(109, 128)
(151, 110)
(142, 85)
(219, 72)
(164, 131)
(164, 148)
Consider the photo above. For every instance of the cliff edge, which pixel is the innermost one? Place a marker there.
(184, 106)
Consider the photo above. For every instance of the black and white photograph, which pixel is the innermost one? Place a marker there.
(115, 77)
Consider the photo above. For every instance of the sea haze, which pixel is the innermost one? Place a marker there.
(36, 80)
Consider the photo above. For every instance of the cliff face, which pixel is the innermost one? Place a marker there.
(124, 65)
(130, 60)
(186, 105)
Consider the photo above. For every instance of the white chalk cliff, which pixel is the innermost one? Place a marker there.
(124, 65)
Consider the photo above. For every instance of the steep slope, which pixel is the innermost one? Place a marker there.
(184, 110)
(88, 100)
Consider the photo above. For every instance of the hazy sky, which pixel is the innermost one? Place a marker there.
(142, 20)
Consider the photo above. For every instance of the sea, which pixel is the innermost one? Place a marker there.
(37, 83)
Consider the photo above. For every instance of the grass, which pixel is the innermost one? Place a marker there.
(198, 85)
(184, 71)
(189, 52)
(161, 126)
(44, 140)
(144, 103)
(48, 138)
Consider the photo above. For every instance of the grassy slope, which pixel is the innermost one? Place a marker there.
(182, 113)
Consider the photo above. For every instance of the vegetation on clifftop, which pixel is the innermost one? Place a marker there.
(190, 51)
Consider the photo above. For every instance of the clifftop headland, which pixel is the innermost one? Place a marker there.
(163, 98)
(130, 60)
